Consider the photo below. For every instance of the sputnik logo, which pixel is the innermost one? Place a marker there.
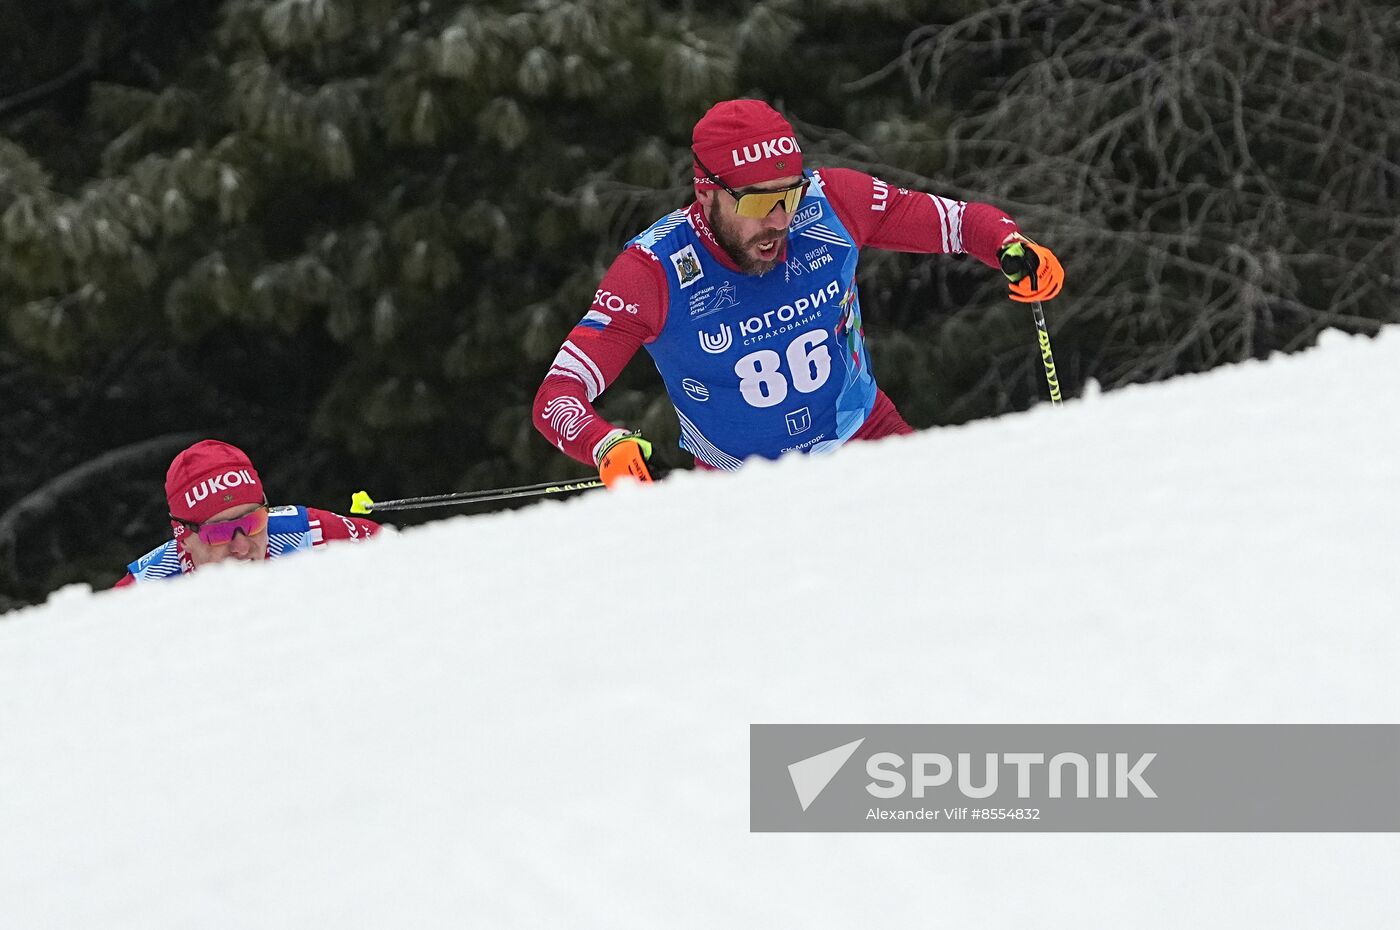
(810, 776)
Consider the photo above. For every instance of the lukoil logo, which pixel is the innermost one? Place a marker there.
(719, 342)
(769, 148)
(211, 485)
(880, 198)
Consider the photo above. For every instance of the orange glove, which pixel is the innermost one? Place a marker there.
(1033, 270)
(625, 456)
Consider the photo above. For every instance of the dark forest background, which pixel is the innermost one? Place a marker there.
(349, 235)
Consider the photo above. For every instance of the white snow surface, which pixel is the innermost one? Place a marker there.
(541, 718)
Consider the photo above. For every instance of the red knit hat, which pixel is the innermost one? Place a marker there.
(208, 477)
(744, 142)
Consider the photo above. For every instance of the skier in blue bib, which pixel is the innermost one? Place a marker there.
(747, 302)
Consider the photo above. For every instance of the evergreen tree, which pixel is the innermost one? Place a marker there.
(349, 235)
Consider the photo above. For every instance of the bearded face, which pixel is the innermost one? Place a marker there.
(754, 245)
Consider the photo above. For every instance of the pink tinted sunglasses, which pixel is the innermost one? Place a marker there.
(221, 532)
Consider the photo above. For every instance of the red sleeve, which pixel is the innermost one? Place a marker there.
(886, 217)
(628, 311)
(332, 527)
(126, 581)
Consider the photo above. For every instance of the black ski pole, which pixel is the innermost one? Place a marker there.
(362, 503)
(1051, 378)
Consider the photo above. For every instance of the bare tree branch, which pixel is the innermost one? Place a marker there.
(79, 478)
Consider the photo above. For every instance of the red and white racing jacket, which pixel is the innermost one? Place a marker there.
(632, 302)
(289, 530)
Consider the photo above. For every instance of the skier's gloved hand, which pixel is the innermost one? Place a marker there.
(1033, 270)
(624, 455)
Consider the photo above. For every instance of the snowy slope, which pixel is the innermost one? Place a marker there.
(428, 731)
